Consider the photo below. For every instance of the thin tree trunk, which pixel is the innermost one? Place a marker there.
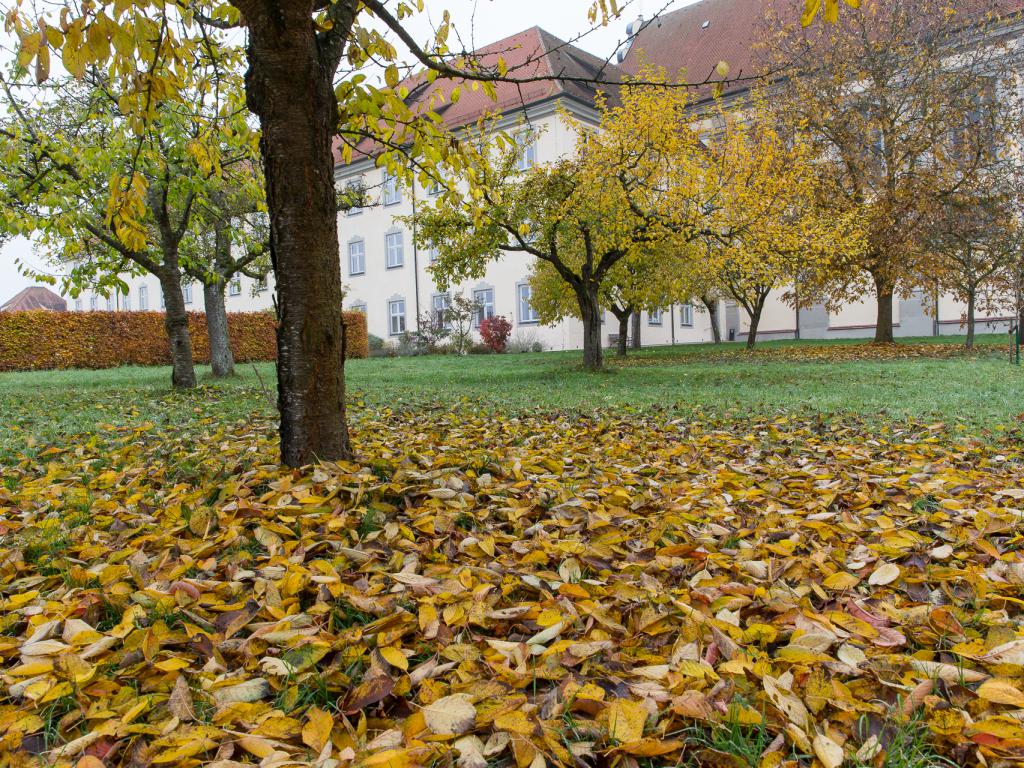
(712, 308)
(183, 373)
(289, 86)
(755, 321)
(970, 319)
(624, 330)
(222, 361)
(586, 296)
(883, 322)
(636, 330)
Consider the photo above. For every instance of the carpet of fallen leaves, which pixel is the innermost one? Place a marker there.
(552, 590)
(821, 353)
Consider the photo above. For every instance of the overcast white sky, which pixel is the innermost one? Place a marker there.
(478, 22)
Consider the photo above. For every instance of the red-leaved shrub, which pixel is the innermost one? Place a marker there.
(495, 332)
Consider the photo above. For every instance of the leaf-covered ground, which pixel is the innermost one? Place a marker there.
(545, 590)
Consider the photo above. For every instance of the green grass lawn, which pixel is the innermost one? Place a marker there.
(981, 392)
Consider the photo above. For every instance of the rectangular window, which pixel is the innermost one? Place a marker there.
(393, 254)
(235, 286)
(357, 257)
(654, 317)
(260, 285)
(126, 301)
(431, 255)
(390, 192)
(186, 293)
(93, 303)
(439, 306)
(358, 307)
(686, 315)
(143, 298)
(78, 305)
(396, 317)
(435, 188)
(484, 299)
(527, 314)
(527, 150)
(110, 304)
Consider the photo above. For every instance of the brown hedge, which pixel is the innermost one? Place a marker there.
(37, 340)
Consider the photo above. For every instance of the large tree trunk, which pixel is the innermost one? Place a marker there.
(183, 373)
(712, 307)
(590, 312)
(636, 330)
(221, 360)
(971, 301)
(289, 86)
(883, 322)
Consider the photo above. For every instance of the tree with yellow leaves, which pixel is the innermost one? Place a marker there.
(101, 200)
(310, 79)
(800, 240)
(878, 95)
(640, 184)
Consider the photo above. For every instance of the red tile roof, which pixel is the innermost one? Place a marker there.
(35, 297)
(698, 36)
(532, 53)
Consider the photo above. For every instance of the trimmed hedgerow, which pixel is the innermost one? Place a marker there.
(36, 340)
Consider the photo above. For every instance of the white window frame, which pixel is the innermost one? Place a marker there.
(686, 315)
(654, 317)
(530, 315)
(396, 319)
(78, 305)
(440, 303)
(94, 303)
(260, 285)
(526, 142)
(356, 248)
(391, 192)
(126, 301)
(485, 307)
(357, 306)
(389, 249)
(235, 286)
(110, 304)
(186, 293)
(143, 298)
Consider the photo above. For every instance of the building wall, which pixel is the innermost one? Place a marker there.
(378, 286)
(247, 298)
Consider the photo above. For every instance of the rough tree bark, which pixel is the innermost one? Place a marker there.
(712, 307)
(222, 361)
(636, 330)
(289, 86)
(883, 322)
(590, 312)
(183, 373)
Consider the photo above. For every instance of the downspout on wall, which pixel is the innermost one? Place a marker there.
(415, 259)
